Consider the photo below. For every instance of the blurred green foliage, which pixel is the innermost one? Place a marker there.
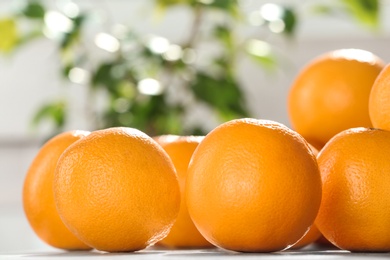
(365, 12)
(149, 83)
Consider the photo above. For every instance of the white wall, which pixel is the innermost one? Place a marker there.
(30, 77)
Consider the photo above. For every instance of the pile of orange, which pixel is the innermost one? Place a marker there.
(249, 185)
(331, 94)
(333, 103)
(114, 189)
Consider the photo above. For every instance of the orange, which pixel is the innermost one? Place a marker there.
(313, 234)
(355, 213)
(183, 233)
(117, 190)
(253, 186)
(331, 94)
(379, 104)
(38, 198)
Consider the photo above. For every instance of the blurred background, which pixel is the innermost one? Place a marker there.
(163, 66)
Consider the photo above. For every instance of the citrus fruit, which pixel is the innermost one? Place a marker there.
(354, 213)
(38, 198)
(117, 190)
(183, 233)
(379, 104)
(331, 94)
(253, 186)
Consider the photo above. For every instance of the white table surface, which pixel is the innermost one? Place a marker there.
(18, 241)
(194, 254)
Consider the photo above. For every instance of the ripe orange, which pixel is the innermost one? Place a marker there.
(38, 198)
(379, 105)
(117, 190)
(331, 94)
(355, 213)
(253, 185)
(183, 233)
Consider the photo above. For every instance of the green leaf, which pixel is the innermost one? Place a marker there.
(267, 62)
(322, 9)
(66, 69)
(140, 115)
(169, 2)
(223, 94)
(365, 11)
(225, 64)
(229, 6)
(54, 112)
(196, 130)
(163, 4)
(224, 34)
(9, 34)
(290, 20)
(151, 114)
(73, 36)
(126, 89)
(261, 52)
(169, 122)
(104, 76)
(34, 10)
